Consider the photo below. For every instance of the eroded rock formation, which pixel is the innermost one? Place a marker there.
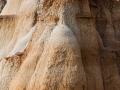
(59, 45)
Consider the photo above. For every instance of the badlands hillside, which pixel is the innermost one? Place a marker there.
(59, 45)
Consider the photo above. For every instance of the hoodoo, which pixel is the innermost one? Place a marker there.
(59, 45)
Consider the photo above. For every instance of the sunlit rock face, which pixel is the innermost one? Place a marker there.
(59, 45)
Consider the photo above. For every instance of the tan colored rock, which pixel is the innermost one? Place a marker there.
(60, 45)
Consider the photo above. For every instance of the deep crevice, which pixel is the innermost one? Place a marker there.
(35, 19)
(3, 4)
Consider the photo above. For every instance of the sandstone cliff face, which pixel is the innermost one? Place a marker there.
(59, 45)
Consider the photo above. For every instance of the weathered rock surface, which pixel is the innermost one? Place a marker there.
(59, 45)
